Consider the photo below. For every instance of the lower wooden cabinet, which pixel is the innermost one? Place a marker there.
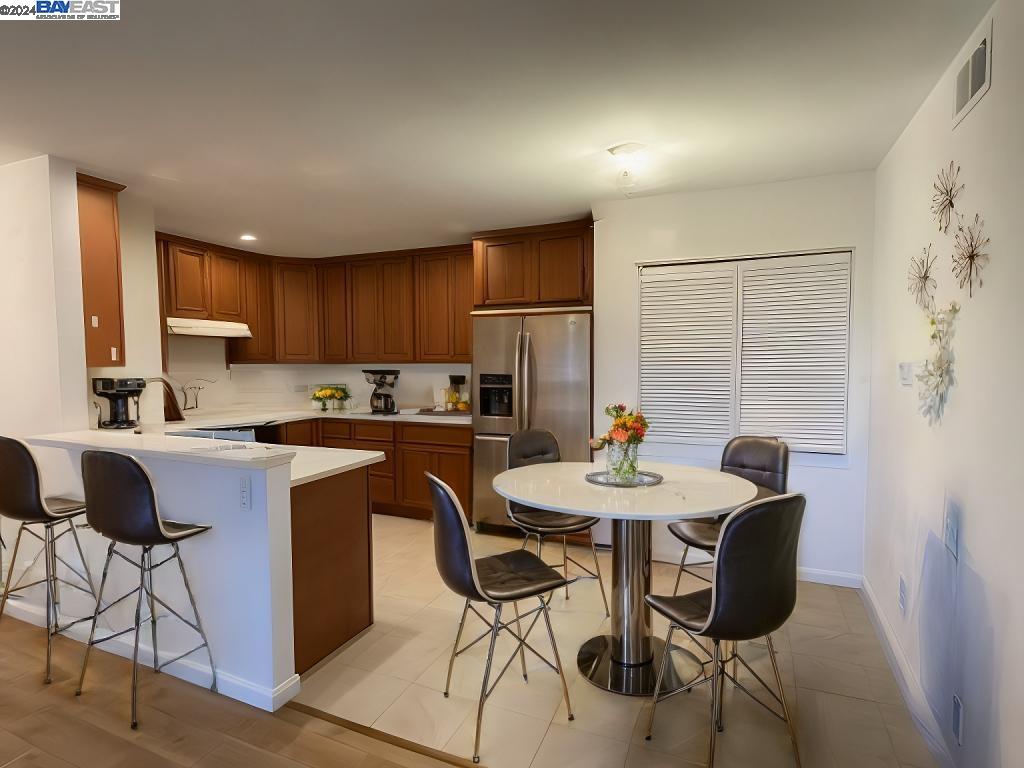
(302, 432)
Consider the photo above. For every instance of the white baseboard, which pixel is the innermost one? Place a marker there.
(910, 686)
(834, 578)
(189, 669)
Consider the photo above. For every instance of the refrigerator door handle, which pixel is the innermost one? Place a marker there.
(492, 438)
(526, 382)
(517, 416)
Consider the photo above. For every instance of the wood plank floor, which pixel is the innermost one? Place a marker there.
(47, 726)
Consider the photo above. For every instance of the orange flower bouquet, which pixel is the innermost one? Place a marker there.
(622, 440)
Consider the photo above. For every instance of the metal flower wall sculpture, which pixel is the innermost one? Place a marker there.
(921, 279)
(946, 192)
(937, 376)
(969, 256)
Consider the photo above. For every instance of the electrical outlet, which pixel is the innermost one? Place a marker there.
(958, 720)
(902, 598)
(245, 492)
(951, 527)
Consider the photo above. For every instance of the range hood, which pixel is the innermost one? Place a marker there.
(183, 326)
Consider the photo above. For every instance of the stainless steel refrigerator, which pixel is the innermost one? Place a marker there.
(530, 371)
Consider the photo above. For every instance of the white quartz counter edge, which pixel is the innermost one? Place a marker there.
(238, 418)
(311, 464)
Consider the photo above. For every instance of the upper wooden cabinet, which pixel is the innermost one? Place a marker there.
(100, 242)
(296, 312)
(227, 299)
(381, 299)
(258, 314)
(444, 300)
(333, 282)
(545, 266)
(188, 287)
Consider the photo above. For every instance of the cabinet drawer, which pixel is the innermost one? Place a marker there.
(382, 489)
(336, 442)
(371, 431)
(384, 468)
(435, 434)
(335, 428)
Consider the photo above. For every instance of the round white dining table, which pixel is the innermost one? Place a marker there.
(626, 661)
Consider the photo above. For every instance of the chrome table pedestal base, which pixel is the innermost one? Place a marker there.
(627, 660)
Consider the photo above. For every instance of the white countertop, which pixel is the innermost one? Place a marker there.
(255, 414)
(307, 464)
(686, 492)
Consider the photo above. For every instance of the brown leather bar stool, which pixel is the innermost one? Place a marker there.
(764, 461)
(752, 594)
(495, 581)
(538, 446)
(21, 499)
(122, 506)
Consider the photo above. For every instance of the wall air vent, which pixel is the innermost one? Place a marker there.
(974, 76)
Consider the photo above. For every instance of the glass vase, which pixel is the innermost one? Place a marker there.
(622, 462)
(339, 405)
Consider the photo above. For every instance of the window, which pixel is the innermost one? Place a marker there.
(753, 346)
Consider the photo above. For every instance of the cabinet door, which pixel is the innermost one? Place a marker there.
(187, 273)
(258, 314)
(456, 469)
(503, 270)
(413, 490)
(334, 298)
(226, 292)
(296, 313)
(462, 305)
(301, 433)
(434, 308)
(397, 311)
(101, 276)
(561, 267)
(364, 303)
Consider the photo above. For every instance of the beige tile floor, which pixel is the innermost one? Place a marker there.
(848, 709)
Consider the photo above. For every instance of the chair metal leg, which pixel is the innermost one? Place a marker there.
(666, 659)
(565, 564)
(597, 570)
(782, 698)
(10, 570)
(719, 724)
(152, 610)
(519, 631)
(483, 684)
(195, 611)
(95, 618)
(135, 647)
(715, 695)
(679, 576)
(455, 649)
(81, 556)
(558, 660)
(51, 622)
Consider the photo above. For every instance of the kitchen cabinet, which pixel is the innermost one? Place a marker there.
(444, 300)
(227, 301)
(258, 314)
(296, 313)
(381, 298)
(188, 292)
(333, 284)
(542, 266)
(302, 432)
(444, 451)
(102, 297)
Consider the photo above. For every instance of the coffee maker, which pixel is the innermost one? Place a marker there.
(383, 398)
(118, 392)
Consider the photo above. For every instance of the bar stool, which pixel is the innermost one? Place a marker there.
(21, 499)
(495, 581)
(752, 594)
(538, 446)
(122, 506)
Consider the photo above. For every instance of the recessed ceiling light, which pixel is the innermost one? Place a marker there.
(247, 236)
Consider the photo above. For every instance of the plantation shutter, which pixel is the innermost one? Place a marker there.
(688, 351)
(794, 342)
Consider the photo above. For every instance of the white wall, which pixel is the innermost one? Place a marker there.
(191, 357)
(964, 622)
(140, 289)
(804, 215)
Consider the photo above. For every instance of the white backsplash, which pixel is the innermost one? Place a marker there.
(196, 357)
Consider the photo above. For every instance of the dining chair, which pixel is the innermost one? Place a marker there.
(22, 500)
(752, 594)
(538, 446)
(764, 461)
(495, 581)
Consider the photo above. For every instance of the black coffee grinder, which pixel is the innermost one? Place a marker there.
(118, 392)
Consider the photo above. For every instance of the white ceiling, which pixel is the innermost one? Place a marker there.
(340, 127)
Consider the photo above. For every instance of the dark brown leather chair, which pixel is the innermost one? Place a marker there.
(764, 461)
(538, 446)
(122, 506)
(21, 499)
(494, 581)
(752, 594)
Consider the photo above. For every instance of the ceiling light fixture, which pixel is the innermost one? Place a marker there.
(247, 236)
(629, 156)
(626, 148)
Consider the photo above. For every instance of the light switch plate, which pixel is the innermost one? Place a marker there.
(907, 374)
